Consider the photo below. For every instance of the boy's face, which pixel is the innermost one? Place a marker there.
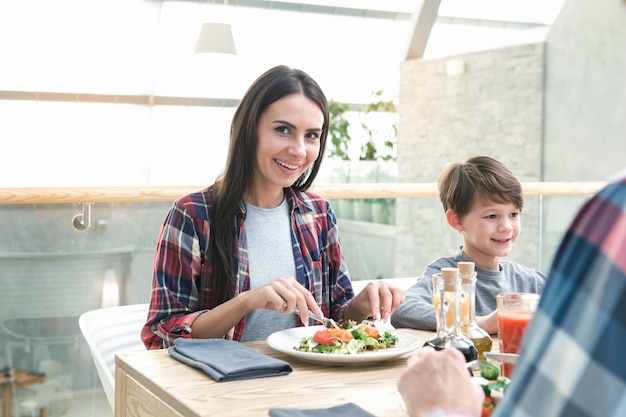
(489, 230)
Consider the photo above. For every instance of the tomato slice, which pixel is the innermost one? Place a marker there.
(487, 407)
(323, 338)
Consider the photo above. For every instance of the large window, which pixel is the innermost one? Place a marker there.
(112, 93)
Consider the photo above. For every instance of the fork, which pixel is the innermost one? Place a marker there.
(478, 363)
(326, 322)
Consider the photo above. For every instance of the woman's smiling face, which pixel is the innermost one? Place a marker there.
(289, 142)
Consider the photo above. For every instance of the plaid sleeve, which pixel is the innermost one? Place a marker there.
(177, 264)
(571, 360)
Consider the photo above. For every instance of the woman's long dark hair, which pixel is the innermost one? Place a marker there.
(273, 85)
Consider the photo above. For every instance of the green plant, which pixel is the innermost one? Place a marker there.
(370, 150)
(340, 138)
(338, 131)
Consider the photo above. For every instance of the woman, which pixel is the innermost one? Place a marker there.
(250, 254)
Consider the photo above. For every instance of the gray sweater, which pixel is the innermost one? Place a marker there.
(417, 310)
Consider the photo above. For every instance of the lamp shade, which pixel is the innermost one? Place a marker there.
(216, 38)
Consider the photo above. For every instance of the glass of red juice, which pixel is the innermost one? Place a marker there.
(515, 310)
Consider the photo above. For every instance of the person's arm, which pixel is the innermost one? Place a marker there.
(417, 311)
(173, 298)
(488, 323)
(284, 294)
(437, 384)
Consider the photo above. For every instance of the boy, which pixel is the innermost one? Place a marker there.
(483, 201)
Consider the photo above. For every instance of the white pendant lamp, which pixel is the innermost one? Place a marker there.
(216, 38)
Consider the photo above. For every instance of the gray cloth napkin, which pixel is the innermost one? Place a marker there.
(344, 410)
(227, 360)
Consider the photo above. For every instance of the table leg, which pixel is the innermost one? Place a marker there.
(6, 401)
(43, 412)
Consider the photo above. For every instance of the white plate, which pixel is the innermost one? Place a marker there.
(286, 340)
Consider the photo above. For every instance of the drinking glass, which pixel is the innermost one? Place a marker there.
(515, 310)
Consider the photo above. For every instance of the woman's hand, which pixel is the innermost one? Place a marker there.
(284, 294)
(378, 300)
(439, 379)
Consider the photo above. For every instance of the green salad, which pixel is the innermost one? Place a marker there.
(350, 339)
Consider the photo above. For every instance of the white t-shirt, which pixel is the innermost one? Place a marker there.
(270, 256)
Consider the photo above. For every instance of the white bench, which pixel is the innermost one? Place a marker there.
(109, 331)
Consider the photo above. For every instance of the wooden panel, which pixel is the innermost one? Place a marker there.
(121, 379)
(139, 402)
(132, 399)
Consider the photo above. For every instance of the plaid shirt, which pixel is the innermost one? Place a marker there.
(183, 242)
(573, 353)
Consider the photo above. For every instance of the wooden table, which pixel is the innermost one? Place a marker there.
(21, 379)
(151, 383)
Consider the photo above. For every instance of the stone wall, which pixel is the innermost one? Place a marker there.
(553, 111)
(494, 107)
(585, 123)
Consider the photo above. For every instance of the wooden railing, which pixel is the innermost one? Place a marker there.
(65, 195)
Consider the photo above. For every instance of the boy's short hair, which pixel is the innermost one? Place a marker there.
(479, 177)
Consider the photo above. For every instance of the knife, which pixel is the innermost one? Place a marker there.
(508, 358)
